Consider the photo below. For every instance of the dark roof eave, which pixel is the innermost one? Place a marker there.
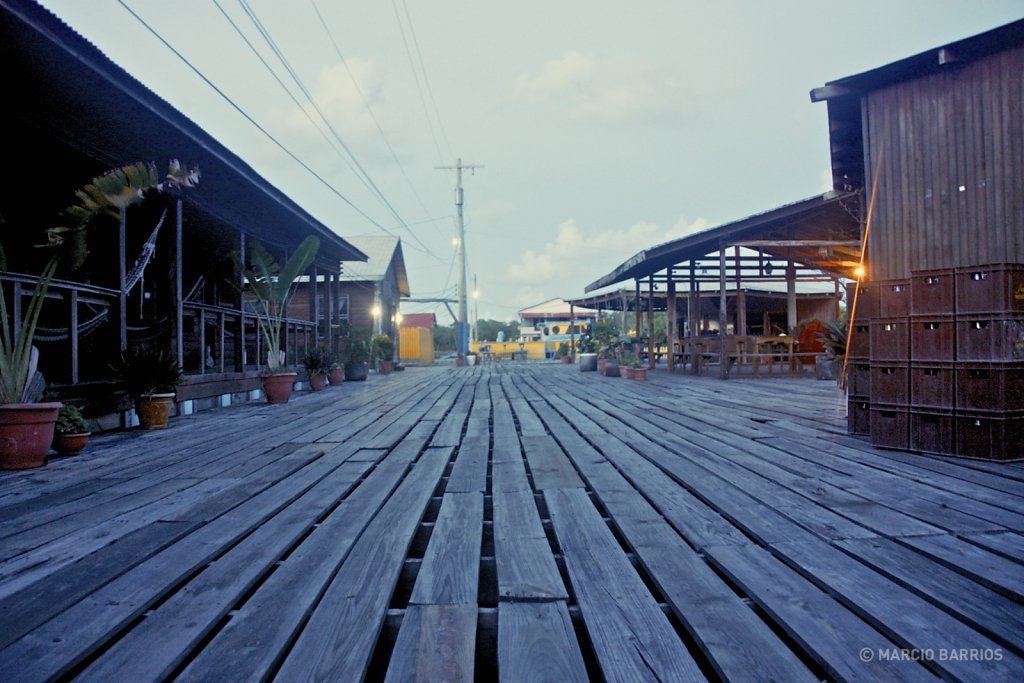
(922, 64)
(659, 257)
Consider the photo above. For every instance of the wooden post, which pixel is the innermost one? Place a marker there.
(122, 268)
(572, 331)
(670, 320)
(73, 302)
(650, 322)
(179, 307)
(314, 303)
(791, 294)
(723, 318)
(240, 353)
(693, 318)
(741, 299)
(639, 313)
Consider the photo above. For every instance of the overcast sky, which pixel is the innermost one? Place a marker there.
(604, 127)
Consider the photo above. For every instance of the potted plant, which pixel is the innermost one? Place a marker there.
(833, 337)
(271, 284)
(357, 355)
(71, 433)
(637, 369)
(587, 354)
(563, 353)
(335, 371)
(150, 376)
(316, 364)
(384, 351)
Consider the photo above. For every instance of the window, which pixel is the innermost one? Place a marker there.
(343, 307)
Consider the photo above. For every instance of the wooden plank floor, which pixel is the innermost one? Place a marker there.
(515, 522)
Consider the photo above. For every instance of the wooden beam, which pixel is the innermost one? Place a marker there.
(723, 321)
(122, 268)
(796, 243)
(179, 296)
(650, 323)
(671, 324)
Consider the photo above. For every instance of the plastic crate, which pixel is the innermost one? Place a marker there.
(858, 377)
(890, 426)
(933, 385)
(893, 298)
(890, 339)
(990, 435)
(990, 386)
(858, 415)
(860, 340)
(933, 339)
(996, 289)
(932, 292)
(867, 301)
(890, 382)
(932, 431)
(989, 339)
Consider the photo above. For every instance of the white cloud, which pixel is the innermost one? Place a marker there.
(576, 257)
(615, 89)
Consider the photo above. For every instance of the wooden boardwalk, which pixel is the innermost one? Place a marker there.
(521, 522)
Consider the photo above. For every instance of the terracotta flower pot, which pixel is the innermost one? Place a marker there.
(317, 382)
(154, 410)
(279, 386)
(26, 431)
(70, 444)
(386, 366)
(602, 365)
(639, 373)
(336, 375)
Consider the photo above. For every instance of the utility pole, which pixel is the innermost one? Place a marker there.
(462, 327)
(476, 309)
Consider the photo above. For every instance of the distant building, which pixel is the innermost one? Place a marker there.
(417, 338)
(554, 320)
(372, 291)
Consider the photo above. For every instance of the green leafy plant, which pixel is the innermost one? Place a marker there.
(563, 350)
(271, 283)
(357, 347)
(316, 362)
(145, 371)
(71, 421)
(834, 336)
(383, 347)
(111, 193)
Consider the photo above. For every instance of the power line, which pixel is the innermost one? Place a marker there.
(362, 174)
(416, 79)
(251, 120)
(426, 79)
(369, 110)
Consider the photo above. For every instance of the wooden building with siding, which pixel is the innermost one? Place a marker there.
(937, 141)
(75, 114)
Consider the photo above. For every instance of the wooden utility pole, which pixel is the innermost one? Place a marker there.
(462, 340)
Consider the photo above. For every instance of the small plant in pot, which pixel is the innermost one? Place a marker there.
(335, 370)
(72, 432)
(357, 356)
(151, 377)
(316, 365)
(384, 352)
(271, 284)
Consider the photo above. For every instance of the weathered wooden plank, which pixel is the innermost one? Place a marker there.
(340, 636)
(469, 473)
(537, 643)
(831, 634)
(994, 571)
(65, 640)
(986, 610)
(35, 604)
(525, 563)
(435, 643)
(548, 464)
(899, 614)
(250, 644)
(632, 637)
(451, 567)
(1008, 544)
(176, 626)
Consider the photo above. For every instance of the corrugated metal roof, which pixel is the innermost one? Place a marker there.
(384, 252)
